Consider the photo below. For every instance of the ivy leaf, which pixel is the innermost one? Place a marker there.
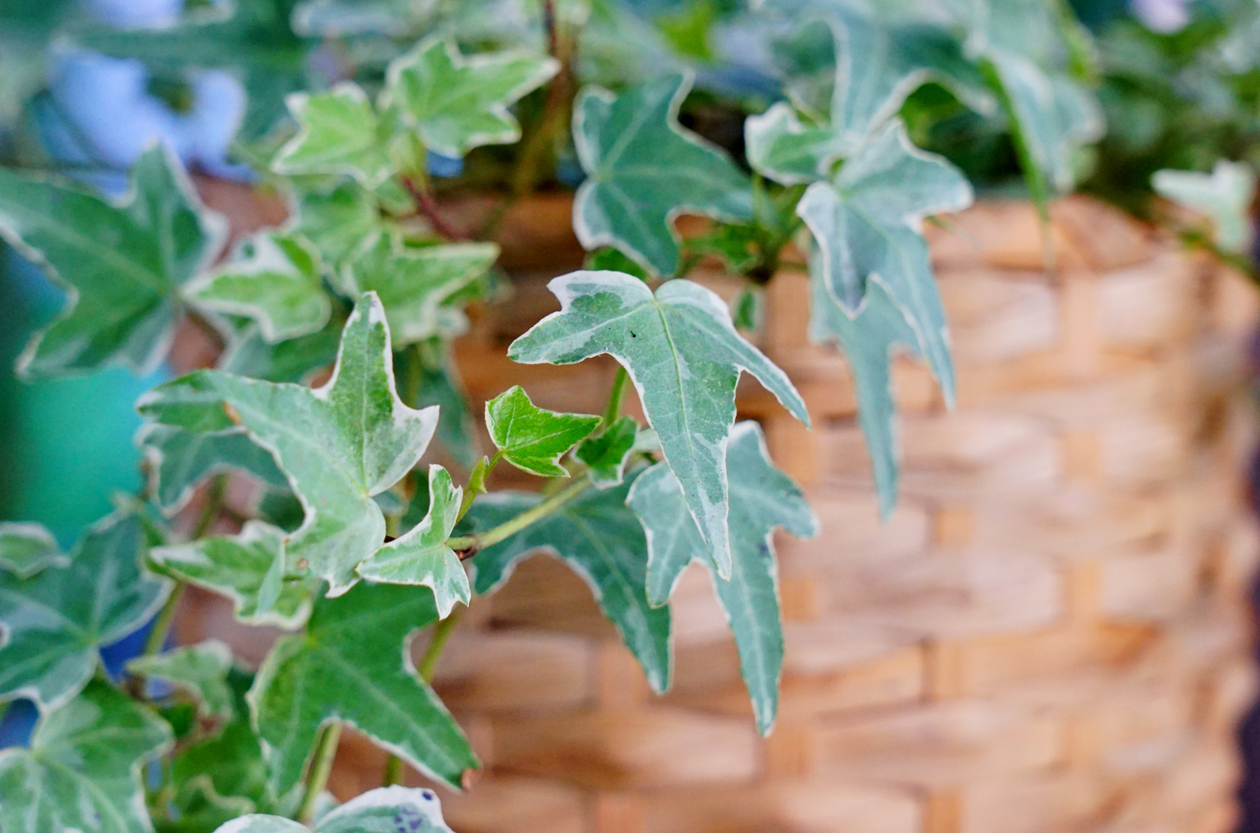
(413, 283)
(247, 568)
(643, 169)
(179, 460)
(598, 536)
(531, 438)
(782, 148)
(607, 452)
(383, 809)
(339, 222)
(421, 556)
(762, 498)
(122, 263)
(437, 382)
(200, 669)
(339, 445)
(684, 357)
(27, 548)
(82, 770)
(352, 665)
(273, 279)
(458, 103)
(55, 621)
(295, 360)
(869, 341)
(1223, 196)
(339, 133)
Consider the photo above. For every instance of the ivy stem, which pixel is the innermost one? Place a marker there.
(321, 768)
(428, 665)
(468, 545)
(428, 208)
(615, 396)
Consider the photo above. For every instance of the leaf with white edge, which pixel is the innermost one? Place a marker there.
(273, 279)
(27, 548)
(339, 222)
(82, 770)
(383, 810)
(598, 536)
(531, 438)
(339, 133)
(421, 556)
(413, 283)
(353, 665)
(201, 670)
(607, 452)
(644, 169)
(782, 148)
(54, 623)
(762, 498)
(248, 568)
(339, 444)
(869, 342)
(179, 460)
(458, 103)
(1223, 196)
(122, 263)
(684, 357)
(295, 360)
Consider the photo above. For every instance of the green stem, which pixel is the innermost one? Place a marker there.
(613, 409)
(428, 665)
(509, 528)
(317, 775)
(165, 618)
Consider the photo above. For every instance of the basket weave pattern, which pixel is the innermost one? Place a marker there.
(1050, 633)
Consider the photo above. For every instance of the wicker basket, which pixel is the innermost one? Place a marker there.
(1050, 634)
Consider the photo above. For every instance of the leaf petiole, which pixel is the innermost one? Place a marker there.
(468, 545)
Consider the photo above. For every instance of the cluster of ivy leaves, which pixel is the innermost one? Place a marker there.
(354, 544)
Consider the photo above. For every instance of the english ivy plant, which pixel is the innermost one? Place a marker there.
(337, 372)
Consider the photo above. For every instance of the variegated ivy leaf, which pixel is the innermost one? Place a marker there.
(82, 770)
(436, 380)
(201, 670)
(273, 279)
(870, 341)
(684, 357)
(1223, 196)
(598, 536)
(352, 665)
(122, 263)
(643, 169)
(339, 133)
(179, 460)
(458, 103)
(402, 809)
(421, 556)
(55, 622)
(339, 445)
(295, 360)
(782, 148)
(340, 222)
(762, 498)
(531, 438)
(413, 283)
(27, 548)
(607, 453)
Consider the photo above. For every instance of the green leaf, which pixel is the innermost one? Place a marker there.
(413, 283)
(531, 438)
(684, 357)
(122, 263)
(870, 340)
(383, 810)
(339, 222)
(27, 548)
(273, 279)
(598, 536)
(782, 148)
(1223, 196)
(607, 452)
(179, 460)
(458, 103)
(643, 169)
(295, 360)
(610, 259)
(339, 133)
(352, 665)
(436, 381)
(55, 621)
(421, 556)
(339, 445)
(248, 568)
(762, 498)
(201, 670)
(82, 770)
